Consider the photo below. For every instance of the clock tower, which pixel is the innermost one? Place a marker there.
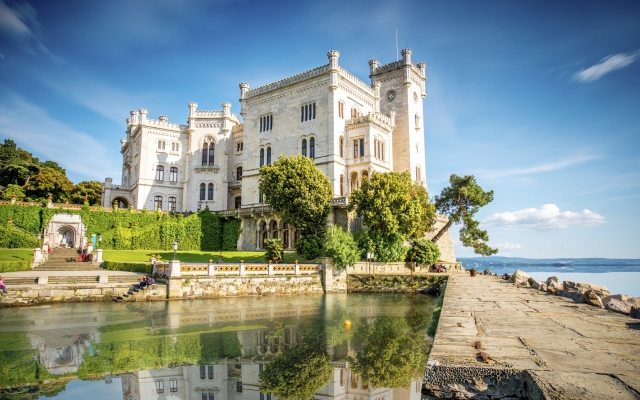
(402, 90)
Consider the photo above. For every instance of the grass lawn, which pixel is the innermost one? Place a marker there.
(16, 254)
(194, 256)
(15, 344)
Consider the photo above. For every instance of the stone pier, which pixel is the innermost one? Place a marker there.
(497, 341)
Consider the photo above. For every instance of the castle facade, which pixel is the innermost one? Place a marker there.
(349, 127)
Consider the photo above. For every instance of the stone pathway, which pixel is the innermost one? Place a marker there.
(571, 350)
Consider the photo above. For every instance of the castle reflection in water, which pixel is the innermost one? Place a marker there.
(244, 333)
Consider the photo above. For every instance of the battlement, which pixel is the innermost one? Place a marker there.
(353, 79)
(163, 123)
(214, 114)
(380, 120)
(288, 81)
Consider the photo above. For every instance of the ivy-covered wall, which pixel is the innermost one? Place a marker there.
(131, 230)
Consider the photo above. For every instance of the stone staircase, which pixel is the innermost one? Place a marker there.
(66, 260)
(155, 292)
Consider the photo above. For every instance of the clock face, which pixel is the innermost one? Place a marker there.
(391, 95)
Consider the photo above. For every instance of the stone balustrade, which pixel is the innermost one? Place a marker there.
(232, 269)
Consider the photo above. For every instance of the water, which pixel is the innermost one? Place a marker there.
(217, 348)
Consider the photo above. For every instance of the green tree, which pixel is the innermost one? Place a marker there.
(385, 249)
(392, 356)
(54, 165)
(275, 250)
(423, 251)
(90, 190)
(13, 191)
(460, 202)
(392, 204)
(296, 189)
(297, 373)
(340, 246)
(9, 153)
(49, 181)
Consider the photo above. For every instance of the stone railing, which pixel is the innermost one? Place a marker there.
(232, 269)
(288, 81)
(340, 201)
(355, 80)
(378, 119)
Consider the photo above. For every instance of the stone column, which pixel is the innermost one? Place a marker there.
(174, 269)
(241, 269)
(37, 256)
(98, 258)
(296, 268)
(270, 269)
(327, 271)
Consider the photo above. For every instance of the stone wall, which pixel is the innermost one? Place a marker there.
(32, 294)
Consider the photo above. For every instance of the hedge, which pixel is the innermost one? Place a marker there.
(14, 238)
(145, 268)
(130, 230)
(15, 266)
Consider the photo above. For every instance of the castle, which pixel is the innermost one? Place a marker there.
(350, 129)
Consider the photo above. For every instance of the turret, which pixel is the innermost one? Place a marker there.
(333, 56)
(406, 61)
(192, 114)
(134, 117)
(376, 96)
(143, 115)
(373, 66)
(226, 117)
(244, 88)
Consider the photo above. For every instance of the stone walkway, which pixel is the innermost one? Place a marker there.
(561, 349)
(35, 273)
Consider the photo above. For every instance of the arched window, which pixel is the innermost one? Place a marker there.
(160, 173)
(238, 173)
(238, 202)
(173, 174)
(205, 154)
(314, 111)
(202, 191)
(341, 109)
(301, 113)
(210, 192)
(365, 175)
(341, 185)
(312, 148)
(261, 157)
(304, 147)
(306, 112)
(354, 180)
(341, 144)
(268, 155)
(157, 202)
(274, 230)
(285, 238)
(172, 204)
(211, 154)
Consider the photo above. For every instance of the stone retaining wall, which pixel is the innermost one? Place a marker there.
(32, 294)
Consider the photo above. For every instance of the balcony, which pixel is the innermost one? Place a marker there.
(210, 168)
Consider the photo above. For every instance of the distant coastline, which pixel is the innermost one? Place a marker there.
(591, 264)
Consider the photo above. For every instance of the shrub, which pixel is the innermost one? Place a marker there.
(340, 246)
(275, 249)
(308, 247)
(423, 251)
(391, 249)
(145, 268)
(13, 238)
(15, 266)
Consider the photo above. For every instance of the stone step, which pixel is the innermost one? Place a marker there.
(20, 281)
(123, 278)
(72, 280)
(68, 268)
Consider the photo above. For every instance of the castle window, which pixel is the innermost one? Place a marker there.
(361, 140)
(203, 370)
(266, 123)
(308, 112)
(304, 147)
(354, 180)
(268, 155)
(210, 192)
(238, 386)
(172, 204)
(355, 113)
(162, 144)
(159, 387)
(365, 175)
(312, 148)
(173, 385)
(175, 146)
(341, 109)
(210, 373)
(238, 201)
(205, 152)
(203, 189)
(160, 173)
(261, 157)
(239, 146)
(173, 174)
(341, 144)
(211, 154)
(157, 202)
(378, 148)
(341, 185)
(238, 173)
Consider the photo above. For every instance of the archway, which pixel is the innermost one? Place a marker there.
(121, 202)
(66, 236)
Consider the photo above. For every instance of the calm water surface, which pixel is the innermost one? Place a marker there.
(217, 349)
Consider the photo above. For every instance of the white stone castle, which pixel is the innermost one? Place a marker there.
(350, 128)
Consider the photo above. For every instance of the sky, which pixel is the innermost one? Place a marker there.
(540, 101)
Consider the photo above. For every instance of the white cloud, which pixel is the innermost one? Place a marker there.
(546, 167)
(545, 218)
(33, 129)
(606, 65)
(509, 246)
(21, 24)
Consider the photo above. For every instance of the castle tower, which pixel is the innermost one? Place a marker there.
(402, 90)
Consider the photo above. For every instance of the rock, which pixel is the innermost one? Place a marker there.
(543, 287)
(583, 287)
(621, 297)
(634, 300)
(590, 297)
(520, 278)
(552, 289)
(573, 295)
(486, 272)
(506, 276)
(534, 284)
(635, 312)
(618, 306)
(552, 279)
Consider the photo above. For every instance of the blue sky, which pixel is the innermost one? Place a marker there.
(539, 100)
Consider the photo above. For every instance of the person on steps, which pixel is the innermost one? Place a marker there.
(4, 289)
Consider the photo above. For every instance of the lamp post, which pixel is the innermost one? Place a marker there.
(199, 206)
(175, 248)
(99, 241)
(39, 236)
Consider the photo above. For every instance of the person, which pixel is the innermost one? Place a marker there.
(4, 289)
(150, 281)
(143, 282)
